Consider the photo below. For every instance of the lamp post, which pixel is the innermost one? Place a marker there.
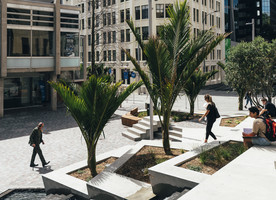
(204, 21)
(253, 28)
(151, 103)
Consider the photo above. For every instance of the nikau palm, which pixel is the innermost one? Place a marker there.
(92, 107)
(171, 61)
(194, 84)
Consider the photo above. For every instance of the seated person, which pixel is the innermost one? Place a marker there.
(257, 137)
(269, 109)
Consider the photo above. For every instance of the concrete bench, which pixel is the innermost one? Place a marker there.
(131, 118)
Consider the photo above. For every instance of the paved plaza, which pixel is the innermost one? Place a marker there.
(64, 144)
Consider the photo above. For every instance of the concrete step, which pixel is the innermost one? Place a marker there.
(176, 128)
(141, 127)
(136, 131)
(175, 133)
(131, 136)
(175, 138)
(147, 123)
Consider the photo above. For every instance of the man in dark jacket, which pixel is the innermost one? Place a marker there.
(35, 140)
(269, 109)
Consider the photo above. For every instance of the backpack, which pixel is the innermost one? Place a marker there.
(270, 129)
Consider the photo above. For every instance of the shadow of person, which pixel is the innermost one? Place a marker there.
(44, 170)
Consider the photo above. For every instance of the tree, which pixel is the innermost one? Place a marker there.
(171, 61)
(250, 68)
(92, 107)
(194, 84)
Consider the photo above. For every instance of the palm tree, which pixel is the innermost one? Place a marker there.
(92, 107)
(194, 84)
(171, 61)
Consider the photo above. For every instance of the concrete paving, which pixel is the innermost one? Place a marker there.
(64, 144)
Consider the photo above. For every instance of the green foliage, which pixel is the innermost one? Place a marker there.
(92, 107)
(194, 168)
(194, 84)
(171, 60)
(250, 68)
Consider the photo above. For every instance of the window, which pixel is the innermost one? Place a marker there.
(104, 38)
(108, 18)
(89, 40)
(69, 44)
(82, 24)
(159, 10)
(145, 12)
(168, 6)
(122, 12)
(113, 18)
(97, 56)
(128, 50)
(114, 36)
(197, 15)
(137, 12)
(113, 1)
(145, 32)
(97, 39)
(219, 54)
(43, 42)
(127, 35)
(97, 21)
(127, 14)
(138, 54)
(82, 8)
(104, 56)
(213, 68)
(89, 5)
(104, 3)
(108, 2)
(194, 14)
(109, 37)
(89, 22)
(109, 55)
(97, 4)
(114, 55)
(122, 55)
(122, 35)
(104, 19)
(218, 6)
(158, 29)
(89, 56)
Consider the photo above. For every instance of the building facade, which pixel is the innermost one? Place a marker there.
(112, 32)
(240, 12)
(39, 43)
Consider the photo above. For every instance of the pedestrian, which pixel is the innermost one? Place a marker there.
(257, 136)
(211, 114)
(269, 109)
(248, 99)
(35, 140)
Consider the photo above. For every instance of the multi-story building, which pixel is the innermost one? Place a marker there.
(39, 43)
(240, 12)
(112, 32)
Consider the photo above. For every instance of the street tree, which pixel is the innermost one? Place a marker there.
(194, 84)
(171, 61)
(92, 107)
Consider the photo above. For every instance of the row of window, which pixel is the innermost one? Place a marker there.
(205, 18)
(211, 4)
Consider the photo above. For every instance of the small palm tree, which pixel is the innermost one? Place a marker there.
(92, 107)
(171, 60)
(194, 84)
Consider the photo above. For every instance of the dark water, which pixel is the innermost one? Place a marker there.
(25, 195)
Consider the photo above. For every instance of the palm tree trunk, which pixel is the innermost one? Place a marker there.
(91, 161)
(165, 133)
(192, 107)
(241, 102)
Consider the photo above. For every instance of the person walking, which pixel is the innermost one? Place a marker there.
(248, 99)
(211, 117)
(35, 140)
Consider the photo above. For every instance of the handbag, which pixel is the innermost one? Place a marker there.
(217, 113)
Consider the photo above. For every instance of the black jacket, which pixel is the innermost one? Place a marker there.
(36, 137)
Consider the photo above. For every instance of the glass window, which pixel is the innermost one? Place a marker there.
(114, 55)
(89, 40)
(69, 44)
(104, 56)
(97, 39)
(122, 16)
(122, 55)
(89, 56)
(97, 21)
(137, 12)
(113, 1)
(122, 35)
(104, 38)
(114, 36)
(113, 18)
(42, 43)
(104, 19)
(108, 18)
(104, 3)
(127, 58)
(127, 14)
(97, 56)
(160, 11)
(138, 54)
(108, 2)
(167, 7)
(158, 29)
(145, 12)
(109, 37)
(18, 42)
(145, 32)
(97, 4)
(127, 35)
(109, 55)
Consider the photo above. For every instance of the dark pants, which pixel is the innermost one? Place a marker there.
(209, 129)
(38, 151)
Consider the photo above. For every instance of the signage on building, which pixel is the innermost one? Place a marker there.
(133, 75)
(125, 74)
